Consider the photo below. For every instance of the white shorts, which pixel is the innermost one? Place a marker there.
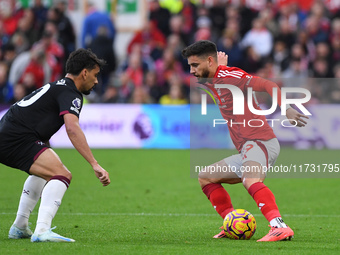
(263, 152)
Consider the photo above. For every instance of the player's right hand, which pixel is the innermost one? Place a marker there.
(102, 175)
(295, 118)
(222, 58)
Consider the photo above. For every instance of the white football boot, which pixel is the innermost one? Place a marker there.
(50, 236)
(19, 233)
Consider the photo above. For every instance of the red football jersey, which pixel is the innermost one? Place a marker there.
(241, 130)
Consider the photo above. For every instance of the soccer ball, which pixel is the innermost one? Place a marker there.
(239, 224)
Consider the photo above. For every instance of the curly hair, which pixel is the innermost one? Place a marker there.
(83, 59)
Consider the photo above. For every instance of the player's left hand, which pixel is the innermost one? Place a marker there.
(295, 118)
(222, 58)
(102, 175)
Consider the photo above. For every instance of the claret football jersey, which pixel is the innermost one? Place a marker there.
(41, 112)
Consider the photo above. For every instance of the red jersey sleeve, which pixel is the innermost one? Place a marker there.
(263, 85)
(230, 72)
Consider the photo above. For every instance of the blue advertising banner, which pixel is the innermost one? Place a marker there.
(208, 131)
(170, 126)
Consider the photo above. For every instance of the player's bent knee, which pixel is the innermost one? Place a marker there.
(203, 182)
(202, 175)
(68, 175)
(247, 182)
(203, 179)
(62, 172)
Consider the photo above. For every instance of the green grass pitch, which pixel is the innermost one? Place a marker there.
(152, 206)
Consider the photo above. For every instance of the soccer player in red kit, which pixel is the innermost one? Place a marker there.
(257, 146)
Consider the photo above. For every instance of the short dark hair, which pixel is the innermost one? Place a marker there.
(83, 59)
(201, 48)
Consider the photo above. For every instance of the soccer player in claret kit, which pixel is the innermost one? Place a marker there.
(257, 146)
(24, 134)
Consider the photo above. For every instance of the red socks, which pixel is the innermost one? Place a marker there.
(262, 195)
(265, 200)
(219, 198)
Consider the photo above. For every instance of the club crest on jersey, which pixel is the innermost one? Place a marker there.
(61, 82)
(77, 103)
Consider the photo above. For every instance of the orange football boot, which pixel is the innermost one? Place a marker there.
(221, 234)
(277, 234)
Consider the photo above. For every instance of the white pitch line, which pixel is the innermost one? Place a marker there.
(180, 214)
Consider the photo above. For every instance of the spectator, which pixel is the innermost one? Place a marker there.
(132, 75)
(203, 29)
(54, 50)
(230, 46)
(176, 92)
(67, 36)
(140, 96)
(35, 56)
(102, 46)
(111, 94)
(259, 38)
(252, 62)
(167, 66)
(92, 22)
(9, 18)
(247, 16)
(314, 30)
(321, 68)
(153, 88)
(233, 23)
(335, 43)
(176, 27)
(323, 51)
(152, 41)
(6, 91)
(335, 32)
(288, 14)
(32, 79)
(20, 42)
(280, 56)
(4, 37)
(9, 54)
(26, 26)
(286, 34)
(299, 52)
(267, 15)
(217, 14)
(318, 10)
(296, 73)
(40, 13)
(189, 14)
(19, 92)
(160, 16)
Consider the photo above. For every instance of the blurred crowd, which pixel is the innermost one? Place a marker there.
(288, 41)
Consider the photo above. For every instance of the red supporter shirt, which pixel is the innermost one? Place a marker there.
(242, 132)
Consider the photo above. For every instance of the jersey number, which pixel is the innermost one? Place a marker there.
(27, 101)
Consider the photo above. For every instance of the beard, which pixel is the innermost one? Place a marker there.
(204, 77)
(87, 92)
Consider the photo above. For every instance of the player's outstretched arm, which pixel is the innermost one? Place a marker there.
(79, 142)
(222, 58)
(293, 115)
(263, 85)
